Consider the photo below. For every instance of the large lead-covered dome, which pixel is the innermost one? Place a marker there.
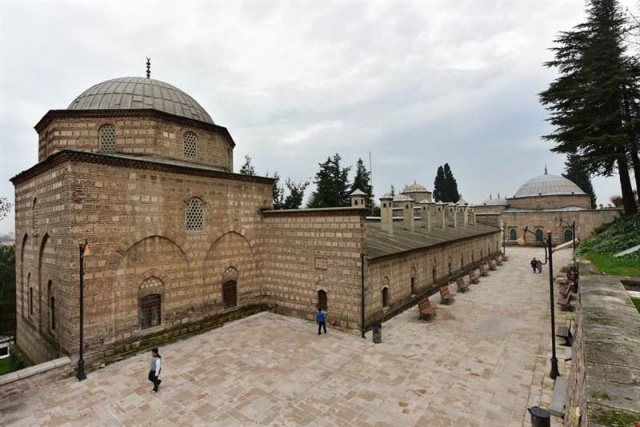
(140, 93)
(548, 185)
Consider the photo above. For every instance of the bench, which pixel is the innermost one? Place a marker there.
(462, 285)
(474, 278)
(566, 289)
(565, 302)
(565, 332)
(483, 270)
(499, 260)
(426, 309)
(446, 297)
(492, 265)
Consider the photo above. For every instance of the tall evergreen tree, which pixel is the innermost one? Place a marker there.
(362, 182)
(278, 192)
(247, 168)
(331, 185)
(451, 186)
(439, 185)
(7, 291)
(575, 173)
(5, 207)
(595, 103)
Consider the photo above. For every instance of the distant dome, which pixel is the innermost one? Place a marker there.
(402, 198)
(548, 185)
(415, 188)
(494, 202)
(132, 93)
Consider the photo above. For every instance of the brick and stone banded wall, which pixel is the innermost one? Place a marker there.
(137, 132)
(313, 250)
(551, 202)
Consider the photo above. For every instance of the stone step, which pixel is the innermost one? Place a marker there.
(557, 400)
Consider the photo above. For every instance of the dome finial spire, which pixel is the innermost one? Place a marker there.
(545, 169)
(148, 67)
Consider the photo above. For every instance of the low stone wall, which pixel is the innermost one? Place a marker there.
(604, 383)
(25, 379)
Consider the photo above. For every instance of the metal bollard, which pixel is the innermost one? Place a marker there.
(539, 417)
(377, 333)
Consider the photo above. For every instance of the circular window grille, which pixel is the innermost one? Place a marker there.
(195, 215)
(108, 139)
(190, 145)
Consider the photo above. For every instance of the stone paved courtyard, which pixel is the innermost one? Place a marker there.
(481, 362)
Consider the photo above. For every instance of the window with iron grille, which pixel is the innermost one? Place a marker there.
(190, 145)
(195, 215)
(107, 136)
(150, 306)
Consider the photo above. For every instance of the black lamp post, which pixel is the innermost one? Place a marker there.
(504, 237)
(362, 256)
(548, 255)
(80, 373)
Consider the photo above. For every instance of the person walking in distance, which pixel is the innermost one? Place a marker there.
(534, 264)
(154, 369)
(321, 320)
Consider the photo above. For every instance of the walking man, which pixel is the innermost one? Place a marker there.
(534, 264)
(154, 369)
(321, 320)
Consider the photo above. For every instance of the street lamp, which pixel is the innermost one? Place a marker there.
(573, 232)
(504, 236)
(84, 251)
(362, 328)
(548, 255)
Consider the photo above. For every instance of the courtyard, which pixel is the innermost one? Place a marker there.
(481, 362)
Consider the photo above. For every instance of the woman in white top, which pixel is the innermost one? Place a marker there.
(155, 368)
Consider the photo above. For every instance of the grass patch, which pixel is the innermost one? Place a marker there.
(606, 263)
(636, 302)
(5, 366)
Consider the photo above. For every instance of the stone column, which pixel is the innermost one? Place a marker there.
(407, 214)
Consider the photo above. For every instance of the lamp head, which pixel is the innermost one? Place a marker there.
(520, 240)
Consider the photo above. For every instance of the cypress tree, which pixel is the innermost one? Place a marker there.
(575, 173)
(362, 182)
(331, 185)
(451, 186)
(439, 190)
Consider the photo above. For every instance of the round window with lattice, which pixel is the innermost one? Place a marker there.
(195, 215)
(107, 139)
(190, 145)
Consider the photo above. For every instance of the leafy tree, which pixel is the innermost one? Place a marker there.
(247, 168)
(575, 173)
(278, 191)
(7, 290)
(362, 182)
(331, 185)
(5, 207)
(296, 194)
(595, 103)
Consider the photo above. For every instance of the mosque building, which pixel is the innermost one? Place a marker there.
(545, 203)
(177, 243)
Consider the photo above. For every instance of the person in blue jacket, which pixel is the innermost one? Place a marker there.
(321, 320)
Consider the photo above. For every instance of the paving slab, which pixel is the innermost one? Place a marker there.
(481, 362)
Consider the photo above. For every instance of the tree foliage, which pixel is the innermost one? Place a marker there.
(247, 168)
(5, 207)
(575, 173)
(7, 290)
(331, 185)
(296, 194)
(445, 186)
(594, 104)
(362, 182)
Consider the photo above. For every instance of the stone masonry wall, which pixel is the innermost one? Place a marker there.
(310, 251)
(146, 134)
(604, 382)
(551, 202)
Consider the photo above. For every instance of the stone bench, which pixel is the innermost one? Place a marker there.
(483, 270)
(462, 285)
(474, 277)
(565, 333)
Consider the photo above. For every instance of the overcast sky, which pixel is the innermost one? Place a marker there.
(416, 84)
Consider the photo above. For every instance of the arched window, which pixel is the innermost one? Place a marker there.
(195, 215)
(413, 286)
(539, 235)
(107, 138)
(150, 311)
(230, 294)
(322, 299)
(433, 275)
(26, 305)
(190, 141)
(30, 300)
(513, 234)
(385, 297)
(568, 235)
(52, 306)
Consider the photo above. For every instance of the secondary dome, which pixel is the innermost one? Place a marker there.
(548, 185)
(415, 188)
(132, 93)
